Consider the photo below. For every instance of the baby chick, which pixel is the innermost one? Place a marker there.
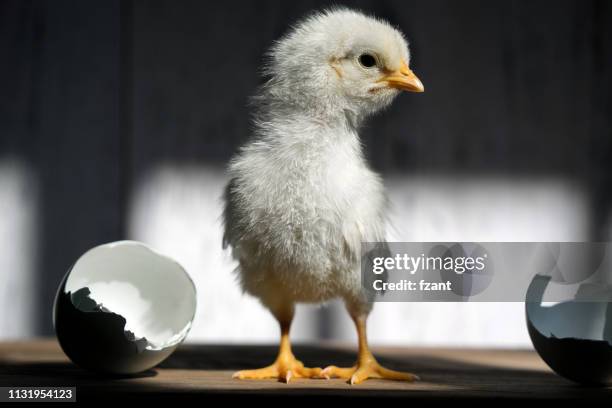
(302, 197)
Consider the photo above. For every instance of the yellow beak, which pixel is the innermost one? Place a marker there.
(403, 79)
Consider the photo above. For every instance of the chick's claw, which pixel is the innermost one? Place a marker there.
(362, 372)
(338, 372)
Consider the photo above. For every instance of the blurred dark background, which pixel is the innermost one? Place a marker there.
(96, 93)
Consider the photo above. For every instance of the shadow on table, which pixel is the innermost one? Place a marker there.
(238, 357)
(55, 374)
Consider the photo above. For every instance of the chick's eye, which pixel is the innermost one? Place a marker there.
(367, 60)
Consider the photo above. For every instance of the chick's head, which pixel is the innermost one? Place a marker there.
(342, 60)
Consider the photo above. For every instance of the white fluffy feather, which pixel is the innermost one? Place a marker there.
(302, 197)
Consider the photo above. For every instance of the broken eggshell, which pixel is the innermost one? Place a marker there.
(123, 308)
(573, 337)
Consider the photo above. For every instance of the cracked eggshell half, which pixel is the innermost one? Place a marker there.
(573, 337)
(123, 308)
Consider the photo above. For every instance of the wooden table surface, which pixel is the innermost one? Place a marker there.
(199, 371)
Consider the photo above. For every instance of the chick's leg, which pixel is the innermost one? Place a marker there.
(286, 367)
(367, 366)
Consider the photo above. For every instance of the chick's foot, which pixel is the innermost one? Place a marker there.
(285, 369)
(365, 370)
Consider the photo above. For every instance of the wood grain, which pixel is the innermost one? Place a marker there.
(198, 371)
